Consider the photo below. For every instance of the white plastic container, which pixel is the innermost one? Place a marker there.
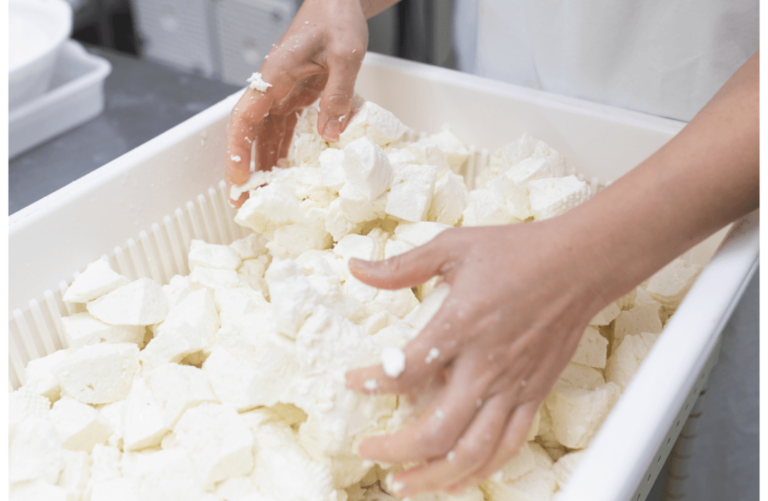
(76, 95)
(38, 28)
(141, 210)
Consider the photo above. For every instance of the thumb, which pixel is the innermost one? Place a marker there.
(336, 103)
(409, 269)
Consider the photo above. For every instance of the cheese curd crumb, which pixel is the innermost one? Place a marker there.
(393, 360)
(257, 82)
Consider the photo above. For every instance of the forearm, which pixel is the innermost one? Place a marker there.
(704, 178)
(373, 7)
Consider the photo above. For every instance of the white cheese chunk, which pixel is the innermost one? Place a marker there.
(518, 466)
(41, 491)
(411, 194)
(143, 423)
(294, 239)
(487, 207)
(399, 302)
(378, 321)
(420, 316)
(99, 374)
(428, 154)
(218, 441)
(592, 350)
(81, 329)
(360, 291)
(453, 148)
(97, 279)
(367, 167)
(577, 414)
(207, 255)
(167, 475)
(305, 148)
(249, 383)
(77, 470)
(34, 452)
(327, 342)
(417, 234)
(449, 200)
(139, 303)
(250, 247)
(177, 388)
(554, 196)
(355, 207)
(528, 147)
(565, 466)
(80, 426)
(606, 315)
(213, 278)
(177, 289)
(374, 122)
(643, 317)
(40, 378)
(113, 415)
(580, 376)
(269, 207)
(24, 404)
(357, 246)
(331, 168)
(189, 328)
(395, 247)
(625, 361)
(401, 156)
(670, 284)
(283, 469)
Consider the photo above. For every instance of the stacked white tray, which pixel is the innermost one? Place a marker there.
(76, 95)
(142, 209)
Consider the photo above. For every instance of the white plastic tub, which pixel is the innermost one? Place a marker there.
(38, 29)
(141, 210)
(76, 95)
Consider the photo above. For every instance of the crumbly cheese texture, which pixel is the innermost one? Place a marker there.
(97, 279)
(229, 383)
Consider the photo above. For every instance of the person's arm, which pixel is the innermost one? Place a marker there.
(522, 295)
(321, 52)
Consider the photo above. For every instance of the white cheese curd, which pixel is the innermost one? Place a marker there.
(256, 82)
(229, 383)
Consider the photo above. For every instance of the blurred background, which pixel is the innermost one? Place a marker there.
(227, 39)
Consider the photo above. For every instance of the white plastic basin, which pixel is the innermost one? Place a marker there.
(141, 210)
(36, 31)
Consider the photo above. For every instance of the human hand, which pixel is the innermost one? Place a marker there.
(321, 52)
(521, 297)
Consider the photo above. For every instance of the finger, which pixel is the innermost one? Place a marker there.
(288, 125)
(241, 133)
(436, 432)
(436, 346)
(336, 104)
(409, 268)
(476, 446)
(509, 447)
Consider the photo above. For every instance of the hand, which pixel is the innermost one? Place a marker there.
(321, 52)
(521, 297)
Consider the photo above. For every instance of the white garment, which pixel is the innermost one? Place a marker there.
(665, 58)
(661, 57)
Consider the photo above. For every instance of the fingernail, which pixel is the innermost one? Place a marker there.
(332, 129)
